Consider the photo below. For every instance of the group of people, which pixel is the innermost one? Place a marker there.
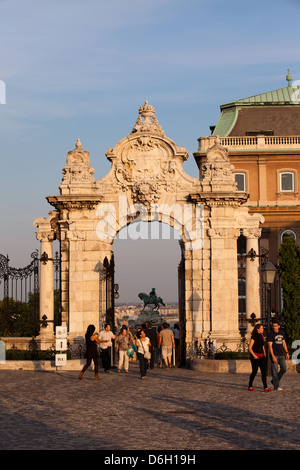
(278, 353)
(148, 343)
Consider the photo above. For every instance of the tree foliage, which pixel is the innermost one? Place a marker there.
(19, 318)
(22, 318)
(289, 270)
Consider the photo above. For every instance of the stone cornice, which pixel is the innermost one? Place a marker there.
(70, 203)
(219, 199)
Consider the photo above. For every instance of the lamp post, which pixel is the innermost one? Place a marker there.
(268, 272)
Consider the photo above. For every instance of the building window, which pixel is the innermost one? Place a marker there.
(287, 182)
(288, 233)
(240, 179)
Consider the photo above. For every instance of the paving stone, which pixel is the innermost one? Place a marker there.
(175, 409)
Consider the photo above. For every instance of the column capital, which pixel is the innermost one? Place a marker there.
(45, 236)
(220, 232)
(47, 227)
(252, 232)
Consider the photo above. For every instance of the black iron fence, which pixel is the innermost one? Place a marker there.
(208, 349)
(19, 296)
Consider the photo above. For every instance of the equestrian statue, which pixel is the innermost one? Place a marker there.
(151, 299)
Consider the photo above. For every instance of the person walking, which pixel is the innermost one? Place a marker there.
(105, 337)
(92, 341)
(258, 357)
(122, 344)
(166, 341)
(142, 344)
(279, 354)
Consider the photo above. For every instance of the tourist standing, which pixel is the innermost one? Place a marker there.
(105, 337)
(258, 357)
(122, 344)
(158, 349)
(167, 343)
(142, 343)
(177, 340)
(152, 335)
(91, 353)
(279, 354)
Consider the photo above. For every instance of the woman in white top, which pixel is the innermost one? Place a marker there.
(142, 344)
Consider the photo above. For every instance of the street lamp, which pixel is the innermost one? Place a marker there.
(268, 272)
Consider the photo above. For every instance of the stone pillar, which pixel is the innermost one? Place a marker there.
(224, 286)
(46, 235)
(46, 281)
(252, 276)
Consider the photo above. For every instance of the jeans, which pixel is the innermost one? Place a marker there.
(143, 364)
(277, 376)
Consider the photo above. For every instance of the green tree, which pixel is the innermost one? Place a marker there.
(289, 270)
(19, 318)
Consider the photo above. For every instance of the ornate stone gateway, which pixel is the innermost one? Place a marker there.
(146, 182)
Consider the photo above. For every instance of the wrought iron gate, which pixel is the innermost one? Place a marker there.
(19, 294)
(110, 297)
(107, 292)
(181, 305)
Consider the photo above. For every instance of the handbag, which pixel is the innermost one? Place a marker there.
(147, 354)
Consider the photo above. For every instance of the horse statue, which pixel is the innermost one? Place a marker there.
(151, 299)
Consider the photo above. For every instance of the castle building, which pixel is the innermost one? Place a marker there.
(262, 136)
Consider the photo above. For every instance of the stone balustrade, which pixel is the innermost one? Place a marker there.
(258, 142)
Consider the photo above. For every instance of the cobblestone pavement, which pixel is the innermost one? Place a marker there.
(175, 409)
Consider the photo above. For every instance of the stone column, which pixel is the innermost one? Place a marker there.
(252, 276)
(64, 271)
(46, 235)
(46, 281)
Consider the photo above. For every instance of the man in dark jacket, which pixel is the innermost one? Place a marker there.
(152, 335)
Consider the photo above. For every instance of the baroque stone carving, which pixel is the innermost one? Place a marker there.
(147, 121)
(146, 163)
(217, 170)
(77, 173)
(146, 192)
(252, 232)
(217, 232)
(48, 228)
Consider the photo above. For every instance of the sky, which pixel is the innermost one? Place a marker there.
(81, 69)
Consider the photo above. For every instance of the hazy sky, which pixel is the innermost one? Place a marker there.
(83, 68)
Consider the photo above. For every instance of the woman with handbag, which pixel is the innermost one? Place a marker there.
(142, 344)
(122, 345)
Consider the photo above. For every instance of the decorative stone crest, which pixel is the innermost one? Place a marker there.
(146, 192)
(146, 163)
(217, 170)
(147, 121)
(77, 173)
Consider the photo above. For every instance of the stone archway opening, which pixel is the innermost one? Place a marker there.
(148, 255)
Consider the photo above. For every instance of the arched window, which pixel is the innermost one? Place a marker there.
(288, 233)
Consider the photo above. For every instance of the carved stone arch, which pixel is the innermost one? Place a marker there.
(146, 173)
